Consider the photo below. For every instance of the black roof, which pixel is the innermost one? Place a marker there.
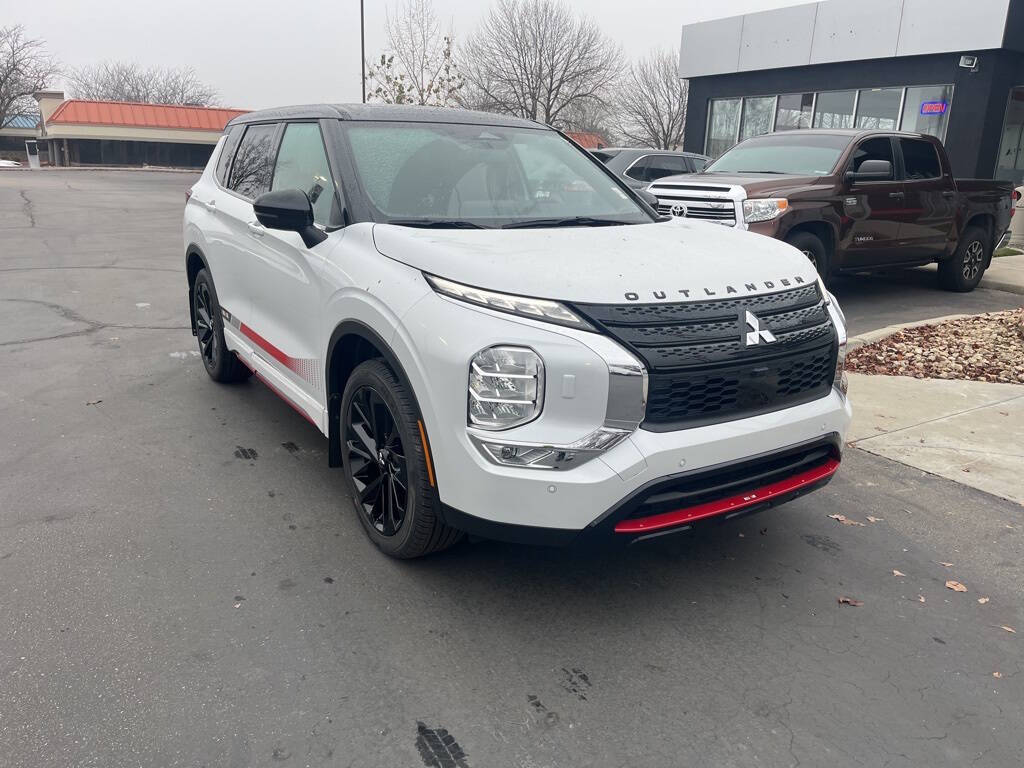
(395, 112)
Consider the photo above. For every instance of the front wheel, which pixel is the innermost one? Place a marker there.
(810, 245)
(220, 362)
(964, 271)
(385, 465)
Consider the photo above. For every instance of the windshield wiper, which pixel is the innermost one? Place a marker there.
(575, 221)
(436, 223)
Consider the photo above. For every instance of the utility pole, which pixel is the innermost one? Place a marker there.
(362, 47)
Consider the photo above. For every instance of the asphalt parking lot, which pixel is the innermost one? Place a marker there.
(183, 581)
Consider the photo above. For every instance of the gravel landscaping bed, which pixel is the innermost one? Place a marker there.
(987, 347)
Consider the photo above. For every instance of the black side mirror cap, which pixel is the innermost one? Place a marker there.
(648, 197)
(291, 211)
(871, 170)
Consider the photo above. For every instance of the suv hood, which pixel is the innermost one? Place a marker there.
(671, 261)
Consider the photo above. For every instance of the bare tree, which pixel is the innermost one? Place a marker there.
(650, 109)
(537, 59)
(25, 68)
(127, 81)
(419, 67)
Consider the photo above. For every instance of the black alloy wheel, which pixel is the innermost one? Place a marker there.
(205, 331)
(377, 459)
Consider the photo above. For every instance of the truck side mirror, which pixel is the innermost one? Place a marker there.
(871, 170)
(289, 210)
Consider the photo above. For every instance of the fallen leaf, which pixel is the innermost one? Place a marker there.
(997, 675)
(845, 520)
(1011, 630)
(956, 586)
(898, 573)
(982, 600)
(920, 598)
(947, 565)
(855, 602)
(94, 402)
(873, 519)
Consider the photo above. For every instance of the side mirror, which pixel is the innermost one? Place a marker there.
(289, 210)
(648, 197)
(871, 170)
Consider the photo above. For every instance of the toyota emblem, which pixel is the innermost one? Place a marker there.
(678, 210)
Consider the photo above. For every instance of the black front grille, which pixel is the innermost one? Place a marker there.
(701, 369)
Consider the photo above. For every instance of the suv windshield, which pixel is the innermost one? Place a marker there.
(790, 152)
(444, 174)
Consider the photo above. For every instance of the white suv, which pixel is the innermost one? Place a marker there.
(498, 337)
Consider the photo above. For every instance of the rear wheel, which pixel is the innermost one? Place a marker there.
(810, 245)
(386, 466)
(964, 271)
(221, 363)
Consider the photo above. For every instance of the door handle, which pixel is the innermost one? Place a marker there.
(210, 205)
(256, 229)
(949, 193)
(897, 195)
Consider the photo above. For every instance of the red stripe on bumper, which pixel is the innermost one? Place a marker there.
(730, 503)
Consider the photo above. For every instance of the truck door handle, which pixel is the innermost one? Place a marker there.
(948, 193)
(897, 195)
(256, 229)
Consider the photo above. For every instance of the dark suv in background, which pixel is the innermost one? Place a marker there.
(639, 167)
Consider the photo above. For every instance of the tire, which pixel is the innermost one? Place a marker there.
(382, 451)
(815, 251)
(221, 363)
(964, 271)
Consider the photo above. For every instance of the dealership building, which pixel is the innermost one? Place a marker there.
(943, 67)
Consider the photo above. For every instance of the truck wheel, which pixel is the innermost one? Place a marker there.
(964, 271)
(812, 247)
(385, 465)
(221, 363)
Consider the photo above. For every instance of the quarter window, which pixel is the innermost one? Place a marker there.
(227, 152)
(302, 164)
(254, 163)
(920, 160)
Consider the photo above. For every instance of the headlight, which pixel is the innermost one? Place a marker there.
(764, 209)
(538, 309)
(839, 379)
(506, 387)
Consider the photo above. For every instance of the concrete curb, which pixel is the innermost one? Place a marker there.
(858, 341)
(1000, 285)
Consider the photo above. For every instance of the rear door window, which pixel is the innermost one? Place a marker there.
(302, 164)
(920, 160)
(253, 166)
(659, 166)
(227, 152)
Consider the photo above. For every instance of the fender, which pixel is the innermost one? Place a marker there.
(193, 250)
(335, 388)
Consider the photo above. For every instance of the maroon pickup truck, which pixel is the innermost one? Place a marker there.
(851, 201)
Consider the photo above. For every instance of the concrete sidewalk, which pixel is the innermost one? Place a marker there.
(968, 431)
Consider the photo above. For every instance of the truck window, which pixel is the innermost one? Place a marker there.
(879, 148)
(920, 160)
(254, 162)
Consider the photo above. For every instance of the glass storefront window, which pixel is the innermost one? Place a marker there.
(723, 126)
(794, 111)
(757, 116)
(835, 109)
(879, 108)
(926, 109)
(1010, 163)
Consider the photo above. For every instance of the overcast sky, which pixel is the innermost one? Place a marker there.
(261, 53)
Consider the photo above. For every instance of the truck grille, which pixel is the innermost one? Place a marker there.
(695, 203)
(700, 369)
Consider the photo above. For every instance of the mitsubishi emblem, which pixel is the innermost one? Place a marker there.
(755, 335)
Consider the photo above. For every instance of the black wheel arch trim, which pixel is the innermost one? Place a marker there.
(335, 389)
(190, 251)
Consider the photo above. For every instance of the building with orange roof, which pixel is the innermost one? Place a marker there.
(79, 132)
